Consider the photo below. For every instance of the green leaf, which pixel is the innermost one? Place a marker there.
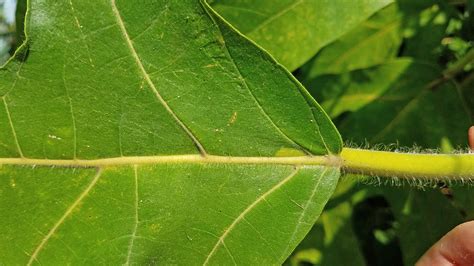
(293, 31)
(372, 42)
(149, 134)
(353, 90)
(425, 25)
(423, 216)
(332, 241)
(415, 107)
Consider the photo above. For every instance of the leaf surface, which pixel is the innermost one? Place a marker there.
(153, 134)
(293, 31)
(351, 91)
(372, 42)
(332, 240)
(415, 108)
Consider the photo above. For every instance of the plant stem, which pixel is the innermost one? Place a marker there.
(458, 67)
(467, 81)
(409, 165)
(457, 2)
(452, 71)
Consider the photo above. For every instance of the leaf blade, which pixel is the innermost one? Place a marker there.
(274, 25)
(109, 101)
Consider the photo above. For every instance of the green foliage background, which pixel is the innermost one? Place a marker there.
(385, 79)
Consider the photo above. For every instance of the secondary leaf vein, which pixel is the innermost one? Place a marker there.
(135, 225)
(63, 218)
(305, 208)
(243, 81)
(146, 76)
(277, 15)
(12, 127)
(71, 110)
(220, 241)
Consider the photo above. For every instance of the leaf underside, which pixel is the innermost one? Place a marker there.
(115, 79)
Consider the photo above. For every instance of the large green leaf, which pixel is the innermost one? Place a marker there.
(372, 42)
(150, 134)
(293, 31)
(416, 107)
(353, 90)
(425, 24)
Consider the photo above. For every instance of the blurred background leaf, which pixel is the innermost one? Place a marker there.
(372, 42)
(294, 30)
(414, 108)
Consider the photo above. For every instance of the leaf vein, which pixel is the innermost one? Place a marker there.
(305, 208)
(386, 29)
(63, 218)
(328, 160)
(399, 116)
(146, 76)
(71, 110)
(241, 217)
(243, 81)
(7, 110)
(83, 36)
(277, 15)
(135, 225)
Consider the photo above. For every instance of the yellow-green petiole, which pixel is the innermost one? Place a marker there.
(408, 165)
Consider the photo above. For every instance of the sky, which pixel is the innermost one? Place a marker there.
(9, 7)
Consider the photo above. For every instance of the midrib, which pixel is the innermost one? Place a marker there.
(327, 160)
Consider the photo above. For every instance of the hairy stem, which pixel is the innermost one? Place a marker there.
(409, 165)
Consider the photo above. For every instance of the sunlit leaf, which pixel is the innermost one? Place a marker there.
(372, 42)
(293, 31)
(351, 91)
(415, 108)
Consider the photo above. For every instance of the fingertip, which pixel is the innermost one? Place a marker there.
(455, 248)
(470, 137)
